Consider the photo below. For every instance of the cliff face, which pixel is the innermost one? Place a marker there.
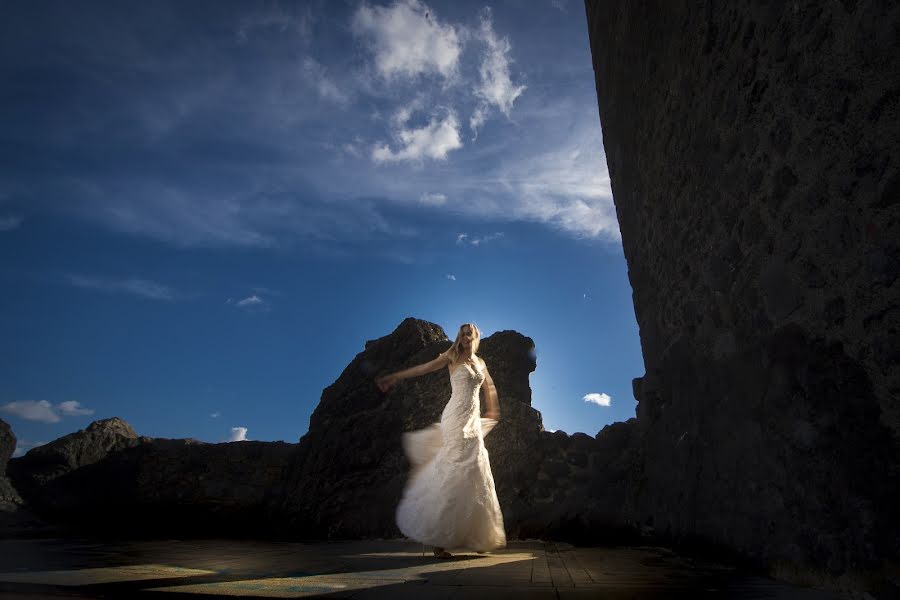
(751, 149)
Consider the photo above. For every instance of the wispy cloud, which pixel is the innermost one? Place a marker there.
(318, 77)
(451, 277)
(43, 411)
(600, 399)
(253, 300)
(465, 238)
(183, 174)
(407, 40)
(567, 187)
(238, 434)
(251, 303)
(495, 87)
(134, 286)
(215, 415)
(432, 199)
(10, 223)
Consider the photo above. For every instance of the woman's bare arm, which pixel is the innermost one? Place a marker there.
(386, 381)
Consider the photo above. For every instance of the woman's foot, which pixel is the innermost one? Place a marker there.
(441, 553)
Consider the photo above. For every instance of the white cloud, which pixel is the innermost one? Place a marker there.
(10, 223)
(253, 300)
(435, 140)
(403, 114)
(23, 446)
(43, 411)
(238, 434)
(32, 410)
(432, 199)
(252, 303)
(463, 238)
(72, 408)
(407, 40)
(215, 415)
(479, 116)
(495, 88)
(598, 399)
(451, 277)
(318, 77)
(137, 287)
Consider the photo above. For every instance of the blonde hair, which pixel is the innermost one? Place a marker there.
(454, 350)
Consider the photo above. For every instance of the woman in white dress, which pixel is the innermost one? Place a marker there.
(450, 500)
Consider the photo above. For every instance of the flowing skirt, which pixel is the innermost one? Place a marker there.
(450, 500)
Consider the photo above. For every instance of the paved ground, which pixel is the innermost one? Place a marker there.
(205, 569)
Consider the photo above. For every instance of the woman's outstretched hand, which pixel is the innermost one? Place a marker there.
(385, 382)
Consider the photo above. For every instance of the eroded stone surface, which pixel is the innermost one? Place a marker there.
(752, 154)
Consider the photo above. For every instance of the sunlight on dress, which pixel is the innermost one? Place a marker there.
(450, 500)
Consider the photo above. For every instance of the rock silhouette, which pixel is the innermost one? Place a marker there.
(752, 153)
(344, 477)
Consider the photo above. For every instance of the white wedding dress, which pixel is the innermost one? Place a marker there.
(450, 500)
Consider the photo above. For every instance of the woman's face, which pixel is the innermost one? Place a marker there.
(466, 336)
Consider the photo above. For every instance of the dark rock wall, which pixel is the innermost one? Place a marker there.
(9, 497)
(752, 152)
(345, 477)
(352, 469)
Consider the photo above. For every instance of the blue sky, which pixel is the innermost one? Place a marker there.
(207, 208)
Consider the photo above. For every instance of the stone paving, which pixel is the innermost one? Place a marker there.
(206, 569)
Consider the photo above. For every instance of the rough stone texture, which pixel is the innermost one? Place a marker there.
(179, 486)
(42, 464)
(9, 497)
(752, 152)
(351, 471)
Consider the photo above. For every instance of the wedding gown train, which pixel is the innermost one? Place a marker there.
(449, 500)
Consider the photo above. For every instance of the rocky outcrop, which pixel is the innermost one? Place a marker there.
(751, 149)
(43, 464)
(9, 497)
(345, 476)
(351, 471)
(176, 486)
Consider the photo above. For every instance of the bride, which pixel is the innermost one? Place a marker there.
(450, 500)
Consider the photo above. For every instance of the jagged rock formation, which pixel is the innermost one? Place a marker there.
(345, 476)
(43, 464)
(351, 476)
(9, 497)
(100, 477)
(752, 153)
